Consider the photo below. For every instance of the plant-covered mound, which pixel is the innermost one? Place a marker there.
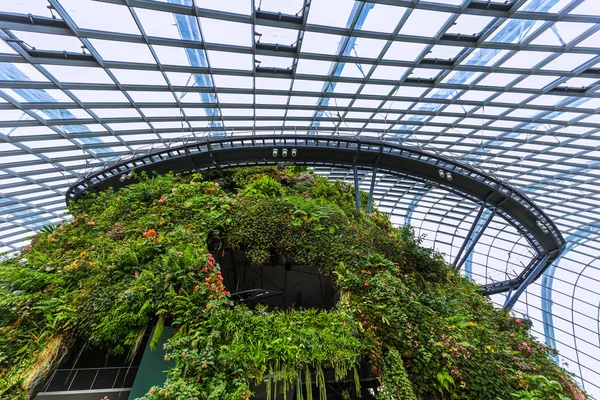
(139, 257)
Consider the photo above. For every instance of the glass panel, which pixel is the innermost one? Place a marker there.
(46, 41)
(546, 7)
(234, 6)
(99, 96)
(382, 18)
(536, 81)
(62, 114)
(273, 84)
(562, 33)
(525, 59)
(188, 79)
(292, 7)
(312, 67)
(587, 7)
(6, 48)
(66, 73)
(127, 76)
(444, 52)
(168, 25)
(274, 62)
(404, 51)
(241, 82)
(424, 73)
(225, 32)
(34, 7)
(497, 79)
(147, 96)
(515, 31)
(424, 23)
(308, 86)
(116, 112)
(472, 25)
(331, 12)
(321, 43)
(592, 41)
(20, 72)
(368, 48)
(101, 16)
(389, 73)
(268, 34)
(38, 95)
(121, 51)
(568, 62)
(226, 60)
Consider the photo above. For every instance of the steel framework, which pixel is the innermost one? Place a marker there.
(515, 207)
(508, 86)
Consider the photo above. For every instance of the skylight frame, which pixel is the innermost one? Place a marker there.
(547, 141)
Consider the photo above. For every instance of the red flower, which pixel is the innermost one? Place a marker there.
(197, 287)
(150, 233)
(366, 283)
(91, 223)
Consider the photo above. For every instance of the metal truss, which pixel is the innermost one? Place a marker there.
(510, 88)
(516, 208)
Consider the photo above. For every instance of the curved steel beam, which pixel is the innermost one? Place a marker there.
(335, 151)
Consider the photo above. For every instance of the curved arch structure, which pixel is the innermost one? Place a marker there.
(350, 152)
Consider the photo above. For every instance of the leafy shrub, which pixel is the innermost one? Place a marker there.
(139, 256)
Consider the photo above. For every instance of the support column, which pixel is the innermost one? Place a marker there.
(356, 189)
(536, 265)
(482, 220)
(371, 189)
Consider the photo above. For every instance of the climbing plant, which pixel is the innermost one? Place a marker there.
(140, 257)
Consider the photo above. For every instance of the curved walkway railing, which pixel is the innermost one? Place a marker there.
(337, 151)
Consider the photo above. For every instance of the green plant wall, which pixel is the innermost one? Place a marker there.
(138, 257)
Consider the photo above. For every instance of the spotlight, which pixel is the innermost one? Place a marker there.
(275, 152)
(449, 176)
(541, 226)
(294, 152)
(441, 173)
(122, 178)
(129, 175)
(284, 152)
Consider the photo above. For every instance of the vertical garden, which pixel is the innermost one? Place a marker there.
(143, 257)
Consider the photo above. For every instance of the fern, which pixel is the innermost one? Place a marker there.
(158, 330)
(49, 229)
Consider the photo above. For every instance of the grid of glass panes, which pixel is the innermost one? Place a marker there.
(510, 86)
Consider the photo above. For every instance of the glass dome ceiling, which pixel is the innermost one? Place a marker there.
(509, 86)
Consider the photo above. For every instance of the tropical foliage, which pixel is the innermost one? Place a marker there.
(139, 257)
